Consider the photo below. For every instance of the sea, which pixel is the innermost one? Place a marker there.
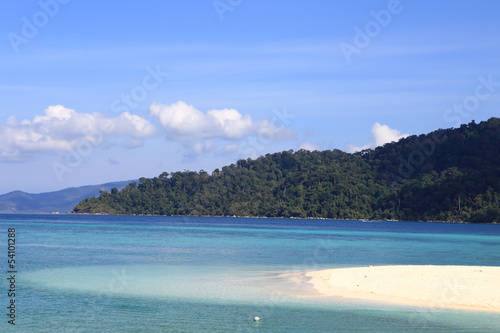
(87, 273)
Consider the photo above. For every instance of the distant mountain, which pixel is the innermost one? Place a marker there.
(447, 175)
(61, 201)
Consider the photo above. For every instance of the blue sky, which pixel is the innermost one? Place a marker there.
(98, 91)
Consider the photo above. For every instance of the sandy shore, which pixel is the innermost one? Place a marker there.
(458, 287)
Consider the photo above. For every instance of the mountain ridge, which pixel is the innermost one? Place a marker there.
(61, 201)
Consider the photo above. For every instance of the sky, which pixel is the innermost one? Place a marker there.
(100, 91)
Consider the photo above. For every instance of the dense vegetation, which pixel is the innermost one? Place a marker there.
(447, 175)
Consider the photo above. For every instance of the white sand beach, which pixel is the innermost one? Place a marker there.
(457, 287)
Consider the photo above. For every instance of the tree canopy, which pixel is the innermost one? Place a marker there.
(446, 175)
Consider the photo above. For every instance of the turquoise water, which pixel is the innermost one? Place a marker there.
(175, 274)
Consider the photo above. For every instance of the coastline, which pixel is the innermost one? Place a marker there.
(472, 288)
(282, 217)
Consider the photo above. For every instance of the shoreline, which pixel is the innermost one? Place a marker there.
(279, 217)
(471, 288)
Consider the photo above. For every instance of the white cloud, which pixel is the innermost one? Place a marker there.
(270, 131)
(131, 125)
(381, 134)
(184, 123)
(384, 134)
(179, 119)
(203, 147)
(232, 124)
(308, 146)
(60, 128)
(231, 148)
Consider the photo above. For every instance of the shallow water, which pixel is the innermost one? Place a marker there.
(173, 274)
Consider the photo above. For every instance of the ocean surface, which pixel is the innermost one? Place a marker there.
(199, 274)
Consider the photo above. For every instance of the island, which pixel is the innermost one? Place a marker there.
(450, 175)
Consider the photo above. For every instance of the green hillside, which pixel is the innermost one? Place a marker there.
(446, 175)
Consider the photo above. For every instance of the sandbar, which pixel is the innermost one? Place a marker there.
(474, 288)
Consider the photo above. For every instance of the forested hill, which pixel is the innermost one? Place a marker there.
(446, 175)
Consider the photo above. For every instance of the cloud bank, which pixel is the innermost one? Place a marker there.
(61, 129)
(182, 121)
(198, 130)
